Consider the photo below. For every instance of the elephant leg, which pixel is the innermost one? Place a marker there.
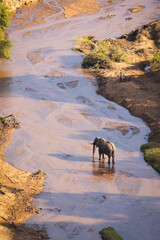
(103, 156)
(100, 154)
(109, 159)
(113, 158)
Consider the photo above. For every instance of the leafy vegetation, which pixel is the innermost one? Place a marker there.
(4, 16)
(5, 43)
(103, 53)
(85, 42)
(151, 153)
(110, 234)
(155, 63)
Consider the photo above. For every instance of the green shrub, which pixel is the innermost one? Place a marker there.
(103, 52)
(151, 153)
(96, 60)
(102, 46)
(110, 234)
(117, 54)
(88, 61)
(84, 42)
(155, 63)
(5, 43)
(5, 17)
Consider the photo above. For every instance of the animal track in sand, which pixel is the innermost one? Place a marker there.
(127, 184)
(85, 100)
(49, 104)
(34, 57)
(62, 225)
(39, 55)
(55, 74)
(64, 120)
(70, 84)
(40, 33)
(111, 106)
(122, 127)
(19, 149)
(95, 120)
(30, 89)
(88, 199)
(76, 231)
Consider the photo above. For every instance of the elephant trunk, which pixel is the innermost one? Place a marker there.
(94, 147)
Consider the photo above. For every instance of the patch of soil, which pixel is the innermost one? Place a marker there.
(17, 191)
(14, 4)
(80, 7)
(37, 14)
(128, 83)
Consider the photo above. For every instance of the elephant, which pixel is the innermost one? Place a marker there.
(105, 147)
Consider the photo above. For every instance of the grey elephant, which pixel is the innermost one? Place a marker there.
(105, 147)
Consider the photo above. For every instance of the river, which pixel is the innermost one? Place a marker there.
(60, 114)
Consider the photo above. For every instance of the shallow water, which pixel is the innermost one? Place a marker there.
(60, 114)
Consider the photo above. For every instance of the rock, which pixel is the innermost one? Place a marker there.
(128, 19)
(111, 15)
(102, 18)
(136, 9)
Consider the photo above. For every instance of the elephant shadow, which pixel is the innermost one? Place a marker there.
(101, 168)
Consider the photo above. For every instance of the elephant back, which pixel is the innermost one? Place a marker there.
(112, 146)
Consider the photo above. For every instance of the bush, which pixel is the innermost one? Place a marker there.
(151, 153)
(5, 43)
(84, 41)
(5, 16)
(103, 55)
(109, 233)
(155, 63)
(118, 54)
(103, 52)
(96, 60)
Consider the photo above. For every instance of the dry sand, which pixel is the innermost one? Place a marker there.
(61, 113)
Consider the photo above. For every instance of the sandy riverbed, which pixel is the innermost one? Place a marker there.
(60, 112)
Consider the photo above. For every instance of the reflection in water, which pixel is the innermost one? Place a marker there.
(5, 85)
(106, 170)
(5, 89)
(5, 78)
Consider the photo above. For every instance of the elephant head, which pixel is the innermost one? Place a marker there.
(97, 142)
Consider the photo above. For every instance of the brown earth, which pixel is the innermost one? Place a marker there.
(17, 191)
(80, 7)
(14, 4)
(128, 83)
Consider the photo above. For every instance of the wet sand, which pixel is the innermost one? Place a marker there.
(60, 112)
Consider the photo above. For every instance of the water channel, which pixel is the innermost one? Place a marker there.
(60, 114)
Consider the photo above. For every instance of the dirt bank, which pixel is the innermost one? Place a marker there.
(14, 4)
(17, 190)
(126, 80)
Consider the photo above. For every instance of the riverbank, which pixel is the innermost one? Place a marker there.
(14, 4)
(127, 72)
(17, 192)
